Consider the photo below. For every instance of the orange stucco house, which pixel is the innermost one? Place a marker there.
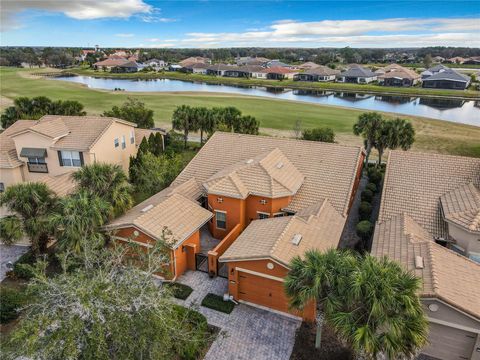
(265, 199)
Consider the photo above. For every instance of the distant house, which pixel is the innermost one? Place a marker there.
(396, 75)
(109, 63)
(194, 60)
(438, 59)
(84, 54)
(248, 60)
(318, 73)
(155, 63)
(433, 70)
(196, 68)
(357, 74)
(126, 67)
(279, 73)
(175, 67)
(445, 78)
(474, 60)
(219, 69)
(307, 65)
(456, 60)
(276, 64)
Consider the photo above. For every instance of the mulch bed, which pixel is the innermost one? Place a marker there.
(331, 348)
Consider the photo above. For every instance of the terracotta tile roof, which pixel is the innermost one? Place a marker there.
(8, 152)
(414, 183)
(62, 184)
(173, 208)
(329, 169)
(462, 207)
(308, 65)
(142, 133)
(397, 71)
(279, 70)
(322, 71)
(318, 227)
(270, 174)
(445, 274)
(112, 62)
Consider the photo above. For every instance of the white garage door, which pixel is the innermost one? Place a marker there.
(447, 343)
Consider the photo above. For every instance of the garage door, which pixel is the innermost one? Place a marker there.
(450, 344)
(262, 291)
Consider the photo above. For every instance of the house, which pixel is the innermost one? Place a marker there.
(219, 69)
(32, 150)
(279, 73)
(433, 70)
(248, 60)
(456, 60)
(318, 73)
(257, 183)
(196, 68)
(109, 64)
(357, 74)
(194, 60)
(156, 64)
(438, 59)
(307, 66)
(396, 75)
(126, 67)
(447, 79)
(84, 54)
(275, 64)
(474, 60)
(429, 223)
(174, 67)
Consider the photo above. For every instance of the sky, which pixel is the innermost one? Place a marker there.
(216, 24)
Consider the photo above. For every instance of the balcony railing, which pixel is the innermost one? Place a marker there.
(37, 168)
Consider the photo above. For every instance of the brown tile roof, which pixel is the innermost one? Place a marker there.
(397, 71)
(279, 70)
(270, 174)
(308, 65)
(8, 152)
(329, 169)
(75, 132)
(462, 207)
(414, 183)
(142, 133)
(62, 184)
(173, 208)
(445, 274)
(112, 62)
(322, 71)
(317, 227)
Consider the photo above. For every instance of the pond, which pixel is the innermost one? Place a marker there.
(456, 110)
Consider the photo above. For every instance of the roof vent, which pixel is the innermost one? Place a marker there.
(146, 208)
(418, 262)
(279, 165)
(296, 239)
(249, 161)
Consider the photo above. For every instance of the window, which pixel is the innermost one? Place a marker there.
(2, 187)
(279, 214)
(71, 158)
(221, 219)
(262, 215)
(36, 160)
(124, 142)
(132, 136)
(474, 256)
(458, 249)
(116, 142)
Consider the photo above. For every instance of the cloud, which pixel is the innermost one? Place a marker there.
(75, 9)
(125, 35)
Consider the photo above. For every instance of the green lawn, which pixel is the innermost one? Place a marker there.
(277, 117)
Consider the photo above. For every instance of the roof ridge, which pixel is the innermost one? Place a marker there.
(433, 267)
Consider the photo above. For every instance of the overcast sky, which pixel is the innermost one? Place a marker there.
(203, 24)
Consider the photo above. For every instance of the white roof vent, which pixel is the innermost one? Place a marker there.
(418, 262)
(279, 165)
(146, 208)
(249, 161)
(296, 239)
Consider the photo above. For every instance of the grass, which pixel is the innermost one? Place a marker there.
(277, 117)
(369, 88)
(216, 302)
(180, 291)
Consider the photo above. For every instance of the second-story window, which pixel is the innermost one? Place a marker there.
(132, 136)
(221, 219)
(116, 142)
(36, 160)
(71, 158)
(124, 142)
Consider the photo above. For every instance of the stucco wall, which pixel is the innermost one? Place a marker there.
(11, 176)
(467, 240)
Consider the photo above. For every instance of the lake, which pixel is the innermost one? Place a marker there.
(461, 111)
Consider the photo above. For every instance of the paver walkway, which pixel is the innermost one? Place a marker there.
(9, 254)
(250, 333)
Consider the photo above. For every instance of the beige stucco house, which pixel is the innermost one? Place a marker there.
(429, 222)
(49, 149)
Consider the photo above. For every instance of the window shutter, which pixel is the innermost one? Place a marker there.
(60, 158)
(81, 158)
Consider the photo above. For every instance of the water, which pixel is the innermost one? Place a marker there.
(461, 111)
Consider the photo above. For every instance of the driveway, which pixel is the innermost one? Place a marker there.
(251, 333)
(9, 254)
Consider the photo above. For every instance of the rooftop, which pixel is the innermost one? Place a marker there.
(461, 206)
(357, 71)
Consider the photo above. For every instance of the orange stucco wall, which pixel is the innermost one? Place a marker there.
(261, 290)
(181, 259)
(358, 176)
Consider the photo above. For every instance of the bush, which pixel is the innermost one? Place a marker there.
(180, 291)
(319, 134)
(12, 300)
(365, 210)
(372, 187)
(199, 330)
(364, 229)
(216, 302)
(367, 195)
(23, 266)
(375, 177)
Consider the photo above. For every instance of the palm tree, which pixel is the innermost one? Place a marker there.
(247, 125)
(78, 219)
(402, 135)
(31, 203)
(206, 121)
(368, 126)
(230, 116)
(108, 182)
(184, 119)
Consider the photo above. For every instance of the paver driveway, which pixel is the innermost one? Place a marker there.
(251, 333)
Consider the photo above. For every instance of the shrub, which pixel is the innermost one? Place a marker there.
(364, 229)
(23, 266)
(365, 210)
(180, 291)
(199, 330)
(319, 134)
(367, 195)
(375, 177)
(216, 302)
(12, 300)
(372, 187)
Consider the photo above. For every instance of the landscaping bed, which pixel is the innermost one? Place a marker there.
(180, 291)
(216, 302)
(331, 348)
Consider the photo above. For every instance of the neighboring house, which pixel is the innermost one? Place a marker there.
(318, 73)
(357, 74)
(219, 69)
(433, 70)
(32, 150)
(276, 63)
(396, 75)
(438, 59)
(175, 67)
(248, 60)
(109, 64)
(84, 54)
(474, 60)
(156, 64)
(307, 66)
(194, 60)
(126, 67)
(447, 79)
(279, 73)
(196, 68)
(254, 178)
(429, 222)
(456, 60)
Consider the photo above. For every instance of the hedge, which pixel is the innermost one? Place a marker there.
(365, 210)
(180, 291)
(12, 300)
(216, 302)
(375, 177)
(23, 266)
(367, 195)
(364, 229)
(199, 329)
(372, 187)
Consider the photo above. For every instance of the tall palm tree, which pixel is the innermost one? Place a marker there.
(184, 119)
(78, 219)
(31, 203)
(206, 121)
(230, 116)
(108, 182)
(368, 126)
(402, 134)
(247, 125)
